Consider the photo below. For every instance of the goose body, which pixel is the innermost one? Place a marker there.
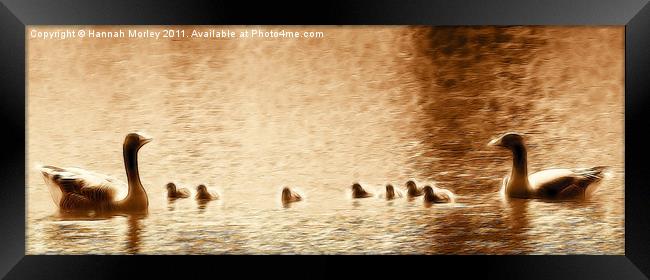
(412, 189)
(174, 193)
(202, 194)
(391, 193)
(438, 195)
(560, 183)
(79, 189)
(359, 192)
(289, 196)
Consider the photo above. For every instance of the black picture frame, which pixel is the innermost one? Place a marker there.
(15, 15)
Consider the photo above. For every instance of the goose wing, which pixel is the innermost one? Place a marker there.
(78, 186)
(445, 195)
(564, 182)
(183, 193)
(555, 179)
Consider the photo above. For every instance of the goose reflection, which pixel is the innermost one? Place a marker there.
(68, 234)
(65, 235)
(516, 214)
(134, 231)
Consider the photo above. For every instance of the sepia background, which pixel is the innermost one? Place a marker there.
(370, 104)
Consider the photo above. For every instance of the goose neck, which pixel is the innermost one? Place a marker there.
(519, 161)
(132, 173)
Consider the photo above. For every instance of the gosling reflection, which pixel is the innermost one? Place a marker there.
(171, 205)
(359, 192)
(201, 205)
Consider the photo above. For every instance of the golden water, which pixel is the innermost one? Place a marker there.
(370, 104)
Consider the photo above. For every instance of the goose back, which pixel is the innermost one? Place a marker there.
(75, 188)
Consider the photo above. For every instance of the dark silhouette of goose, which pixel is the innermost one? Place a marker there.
(289, 196)
(359, 192)
(391, 193)
(548, 184)
(412, 190)
(437, 195)
(174, 193)
(79, 189)
(202, 194)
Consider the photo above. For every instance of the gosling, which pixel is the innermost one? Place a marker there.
(203, 194)
(289, 196)
(391, 193)
(438, 195)
(413, 190)
(173, 193)
(359, 192)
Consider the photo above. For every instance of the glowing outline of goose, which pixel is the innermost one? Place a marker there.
(289, 196)
(359, 192)
(438, 195)
(174, 192)
(79, 189)
(391, 193)
(204, 195)
(558, 183)
(412, 190)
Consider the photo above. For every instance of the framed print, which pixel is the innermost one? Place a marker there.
(507, 137)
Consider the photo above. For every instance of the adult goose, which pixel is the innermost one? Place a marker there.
(438, 195)
(78, 189)
(174, 193)
(359, 192)
(548, 184)
(289, 196)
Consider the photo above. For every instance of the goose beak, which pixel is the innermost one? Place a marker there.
(146, 140)
(495, 142)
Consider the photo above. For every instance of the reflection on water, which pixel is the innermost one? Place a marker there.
(376, 105)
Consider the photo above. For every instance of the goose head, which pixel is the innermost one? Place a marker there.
(508, 140)
(171, 187)
(135, 141)
(201, 189)
(410, 186)
(286, 193)
(428, 193)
